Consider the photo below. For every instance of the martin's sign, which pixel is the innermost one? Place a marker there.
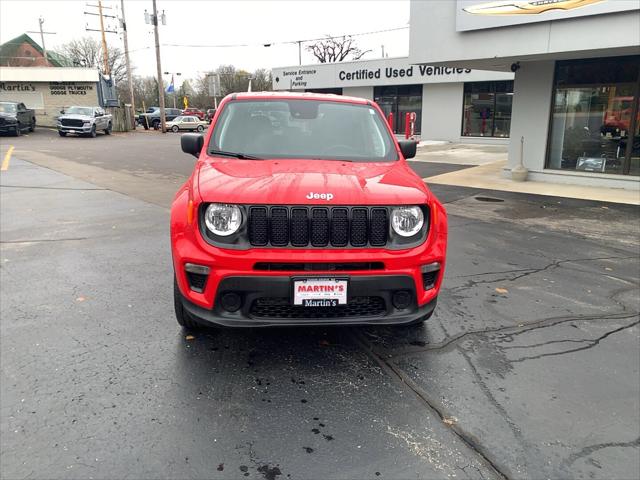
(392, 71)
(17, 87)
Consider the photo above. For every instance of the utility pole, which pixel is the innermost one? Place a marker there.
(156, 34)
(42, 34)
(106, 68)
(105, 53)
(299, 52)
(126, 57)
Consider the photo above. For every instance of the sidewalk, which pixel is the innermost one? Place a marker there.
(490, 161)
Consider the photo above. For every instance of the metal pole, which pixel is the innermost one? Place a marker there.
(156, 34)
(44, 49)
(126, 56)
(299, 52)
(105, 53)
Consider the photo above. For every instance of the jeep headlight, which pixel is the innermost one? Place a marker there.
(222, 219)
(407, 221)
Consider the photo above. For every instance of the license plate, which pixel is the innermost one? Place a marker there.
(320, 292)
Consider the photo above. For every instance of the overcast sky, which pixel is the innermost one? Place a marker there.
(214, 23)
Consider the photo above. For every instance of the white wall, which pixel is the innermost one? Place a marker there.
(532, 90)
(442, 111)
(362, 92)
(433, 37)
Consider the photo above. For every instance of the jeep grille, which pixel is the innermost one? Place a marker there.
(300, 226)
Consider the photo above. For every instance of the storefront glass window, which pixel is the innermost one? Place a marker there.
(487, 109)
(400, 100)
(594, 122)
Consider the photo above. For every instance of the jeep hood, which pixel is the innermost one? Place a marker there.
(291, 181)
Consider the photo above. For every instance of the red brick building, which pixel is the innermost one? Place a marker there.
(23, 51)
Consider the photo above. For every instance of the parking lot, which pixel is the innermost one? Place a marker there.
(528, 368)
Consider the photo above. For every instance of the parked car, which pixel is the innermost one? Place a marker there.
(194, 112)
(186, 122)
(152, 119)
(315, 221)
(210, 114)
(85, 121)
(141, 116)
(15, 118)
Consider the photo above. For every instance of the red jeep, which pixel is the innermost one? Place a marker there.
(301, 210)
(193, 112)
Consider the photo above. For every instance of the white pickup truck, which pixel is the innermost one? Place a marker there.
(85, 121)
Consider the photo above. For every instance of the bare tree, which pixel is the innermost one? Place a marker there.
(261, 80)
(87, 52)
(336, 49)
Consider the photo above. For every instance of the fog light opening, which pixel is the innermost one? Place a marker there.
(401, 299)
(197, 276)
(231, 302)
(430, 274)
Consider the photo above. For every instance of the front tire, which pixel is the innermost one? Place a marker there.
(62, 134)
(175, 129)
(93, 132)
(200, 128)
(182, 316)
(107, 131)
(18, 130)
(32, 125)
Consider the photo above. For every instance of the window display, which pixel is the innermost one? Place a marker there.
(400, 100)
(487, 109)
(594, 121)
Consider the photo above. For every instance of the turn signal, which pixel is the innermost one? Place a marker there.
(190, 212)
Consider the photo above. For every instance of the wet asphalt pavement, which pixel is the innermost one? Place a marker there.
(528, 368)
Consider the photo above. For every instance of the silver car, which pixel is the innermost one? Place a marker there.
(187, 122)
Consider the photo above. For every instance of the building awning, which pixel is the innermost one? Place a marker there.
(48, 74)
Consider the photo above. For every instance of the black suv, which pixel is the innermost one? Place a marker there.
(151, 118)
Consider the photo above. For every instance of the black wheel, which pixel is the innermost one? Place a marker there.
(182, 316)
(175, 128)
(18, 130)
(107, 131)
(32, 125)
(93, 132)
(156, 125)
(62, 134)
(200, 128)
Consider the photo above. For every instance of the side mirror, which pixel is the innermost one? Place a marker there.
(192, 143)
(408, 148)
(62, 111)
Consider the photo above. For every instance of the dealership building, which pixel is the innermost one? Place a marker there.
(450, 103)
(49, 84)
(556, 80)
(576, 91)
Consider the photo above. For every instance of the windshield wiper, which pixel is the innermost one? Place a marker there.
(239, 155)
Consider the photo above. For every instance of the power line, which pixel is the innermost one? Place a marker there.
(287, 42)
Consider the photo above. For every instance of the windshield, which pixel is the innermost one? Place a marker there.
(178, 119)
(8, 107)
(152, 109)
(309, 129)
(80, 111)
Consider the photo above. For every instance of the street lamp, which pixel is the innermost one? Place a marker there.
(172, 87)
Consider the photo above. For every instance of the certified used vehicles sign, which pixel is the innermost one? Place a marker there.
(320, 292)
